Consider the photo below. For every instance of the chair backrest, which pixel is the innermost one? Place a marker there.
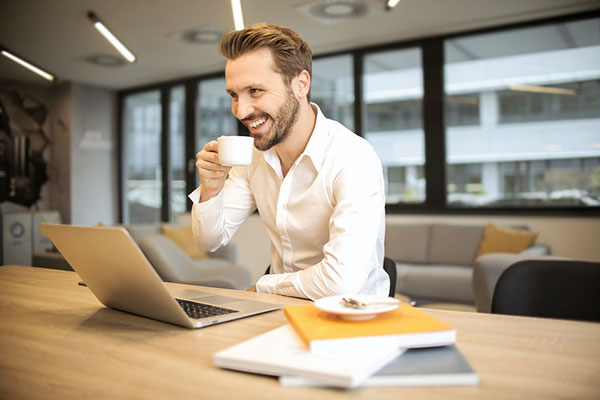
(389, 266)
(549, 288)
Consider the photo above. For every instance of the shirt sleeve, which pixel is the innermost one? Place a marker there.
(216, 220)
(356, 225)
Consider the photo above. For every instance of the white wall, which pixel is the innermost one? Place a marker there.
(93, 152)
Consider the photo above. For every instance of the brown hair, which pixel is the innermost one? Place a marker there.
(291, 54)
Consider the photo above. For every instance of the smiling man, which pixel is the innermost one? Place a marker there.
(317, 186)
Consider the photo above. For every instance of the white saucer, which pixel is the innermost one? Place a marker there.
(335, 305)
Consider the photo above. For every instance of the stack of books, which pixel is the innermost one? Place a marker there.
(402, 347)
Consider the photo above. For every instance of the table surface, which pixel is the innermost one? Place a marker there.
(58, 341)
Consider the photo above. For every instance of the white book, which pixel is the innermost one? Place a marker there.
(434, 366)
(282, 352)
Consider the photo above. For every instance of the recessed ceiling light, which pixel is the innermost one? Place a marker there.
(105, 60)
(199, 35)
(339, 9)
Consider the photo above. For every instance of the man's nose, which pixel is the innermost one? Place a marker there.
(243, 108)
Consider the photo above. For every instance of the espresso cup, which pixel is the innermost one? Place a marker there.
(235, 150)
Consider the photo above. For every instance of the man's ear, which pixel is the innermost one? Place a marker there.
(301, 84)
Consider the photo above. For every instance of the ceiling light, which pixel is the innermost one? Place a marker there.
(111, 38)
(238, 19)
(198, 36)
(27, 65)
(339, 9)
(391, 4)
(105, 60)
(543, 89)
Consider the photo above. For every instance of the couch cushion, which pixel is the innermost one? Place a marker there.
(138, 231)
(184, 238)
(407, 242)
(498, 239)
(454, 244)
(439, 282)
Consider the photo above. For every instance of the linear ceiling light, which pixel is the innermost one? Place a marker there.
(238, 19)
(543, 89)
(111, 38)
(27, 65)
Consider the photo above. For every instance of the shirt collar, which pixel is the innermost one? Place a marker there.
(315, 148)
(319, 140)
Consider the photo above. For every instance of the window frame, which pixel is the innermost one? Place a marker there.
(432, 53)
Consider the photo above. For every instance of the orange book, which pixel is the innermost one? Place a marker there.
(404, 327)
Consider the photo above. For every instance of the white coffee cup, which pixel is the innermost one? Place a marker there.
(235, 150)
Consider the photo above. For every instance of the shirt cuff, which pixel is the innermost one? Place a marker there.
(195, 197)
(285, 284)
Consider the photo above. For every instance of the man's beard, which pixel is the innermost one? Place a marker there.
(285, 118)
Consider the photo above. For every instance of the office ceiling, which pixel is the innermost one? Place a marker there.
(57, 36)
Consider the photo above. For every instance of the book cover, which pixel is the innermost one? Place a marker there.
(431, 366)
(404, 327)
(281, 352)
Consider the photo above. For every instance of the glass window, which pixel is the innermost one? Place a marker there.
(532, 128)
(332, 88)
(393, 99)
(141, 158)
(213, 113)
(177, 148)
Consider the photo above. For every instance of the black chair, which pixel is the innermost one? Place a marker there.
(389, 266)
(550, 289)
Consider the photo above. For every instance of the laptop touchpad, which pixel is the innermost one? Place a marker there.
(216, 299)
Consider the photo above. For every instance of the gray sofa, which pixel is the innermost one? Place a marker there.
(435, 260)
(174, 265)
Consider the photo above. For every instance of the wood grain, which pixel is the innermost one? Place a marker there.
(58, 341)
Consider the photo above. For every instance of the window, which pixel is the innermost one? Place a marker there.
(393, 100)
(523, 117)
(213, 113)
(504, 120)
(141, 161)
(177, 149)
(332, 88)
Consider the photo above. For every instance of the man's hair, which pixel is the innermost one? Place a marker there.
(291, 54)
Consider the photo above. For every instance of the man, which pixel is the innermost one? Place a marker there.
(317, 186)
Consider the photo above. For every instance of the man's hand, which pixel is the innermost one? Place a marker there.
(212, 174)
(251, 289)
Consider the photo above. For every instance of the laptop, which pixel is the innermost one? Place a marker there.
(118, 273)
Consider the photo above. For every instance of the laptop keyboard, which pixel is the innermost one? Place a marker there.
(201, 310)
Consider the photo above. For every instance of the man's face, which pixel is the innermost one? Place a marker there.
(260, 98)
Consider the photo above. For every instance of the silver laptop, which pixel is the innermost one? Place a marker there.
(117, 272)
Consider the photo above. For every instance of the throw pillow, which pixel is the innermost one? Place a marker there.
(184, 238)
(498, 239)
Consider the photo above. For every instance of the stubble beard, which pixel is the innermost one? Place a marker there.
(285, 119)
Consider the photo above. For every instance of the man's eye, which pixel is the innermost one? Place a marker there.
(255, 91)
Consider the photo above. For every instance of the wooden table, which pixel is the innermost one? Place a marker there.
(58, 342)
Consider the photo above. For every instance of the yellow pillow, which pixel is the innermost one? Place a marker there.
(497, 239)
(184, 238)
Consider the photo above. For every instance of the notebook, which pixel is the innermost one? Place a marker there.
(118, 273)
(431, 366)
(281, 352)
(404, 327)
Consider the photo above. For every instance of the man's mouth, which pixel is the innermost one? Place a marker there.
(257, 123)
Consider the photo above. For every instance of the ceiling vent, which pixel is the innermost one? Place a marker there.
(198, 35)
(105, 60)
(333, 11)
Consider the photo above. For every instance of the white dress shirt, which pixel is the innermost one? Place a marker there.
(325, 218)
